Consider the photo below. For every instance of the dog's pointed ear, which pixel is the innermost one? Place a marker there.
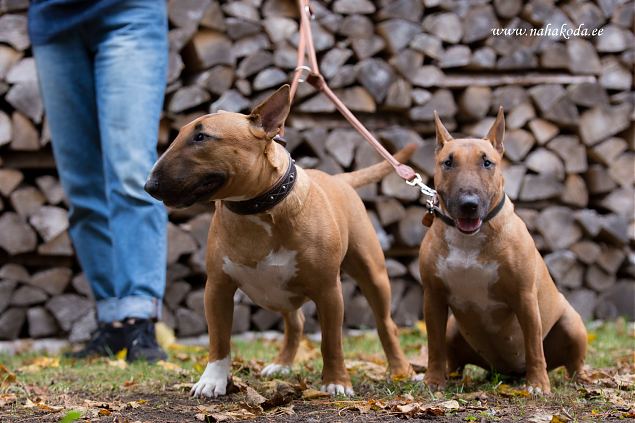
(272, 112)
(497, 131)
(443, 135)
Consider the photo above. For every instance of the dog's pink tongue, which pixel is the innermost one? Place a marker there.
(468, 225)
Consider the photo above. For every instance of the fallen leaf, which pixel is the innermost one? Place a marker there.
(119, 363)
(104, 412)
(41, 405)
(509, 392)
(450, 405)
(279, 393)
(311, 394)
(282, 411)
(7, 399)
(253, 399)
(121, 354)
(367, 369)
(6, 376)
(170, 366)
(421, 327)
(165, 335)
(183, 386)
(40, 363)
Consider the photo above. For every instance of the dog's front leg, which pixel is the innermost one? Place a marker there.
(219, 311)
(528, 314)
(293, 329)
(435, 310)
(330, 307)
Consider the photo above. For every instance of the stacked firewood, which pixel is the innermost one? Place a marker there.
(569, 143)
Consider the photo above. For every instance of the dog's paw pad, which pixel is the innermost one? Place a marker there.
(337, 389)
(275, 369)
(209, 388)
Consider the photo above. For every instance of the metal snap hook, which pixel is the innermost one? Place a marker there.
(303, 76)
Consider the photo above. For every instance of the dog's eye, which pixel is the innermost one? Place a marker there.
(487, 163)
(447, 163)
(199, 137)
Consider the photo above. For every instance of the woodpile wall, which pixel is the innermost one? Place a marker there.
(569, 154)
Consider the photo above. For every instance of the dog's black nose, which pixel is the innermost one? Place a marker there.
(469, 204)
(152, 186)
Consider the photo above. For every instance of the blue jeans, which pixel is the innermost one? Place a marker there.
(103, 87)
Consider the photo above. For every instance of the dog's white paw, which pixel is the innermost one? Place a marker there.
(535, 391)
(213, 382)
(418, 377)
(275, 369)
(336, 389)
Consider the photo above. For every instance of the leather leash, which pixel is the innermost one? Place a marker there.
(315, 78)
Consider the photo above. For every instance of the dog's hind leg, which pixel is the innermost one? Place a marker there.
(364, 261)
(566, 342)
(459, 352)
(293, 329)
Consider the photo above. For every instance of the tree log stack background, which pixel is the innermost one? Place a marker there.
(569, 160)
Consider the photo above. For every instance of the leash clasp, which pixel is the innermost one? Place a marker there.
(417, 181)
(303, 76)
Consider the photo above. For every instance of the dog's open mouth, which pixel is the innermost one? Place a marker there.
(469, 226)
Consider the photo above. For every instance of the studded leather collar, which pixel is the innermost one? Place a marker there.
(269, 199)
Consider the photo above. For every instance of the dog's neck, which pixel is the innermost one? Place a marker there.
(276, 181)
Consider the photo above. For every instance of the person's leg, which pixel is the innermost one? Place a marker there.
(130, 75)
(65, 72)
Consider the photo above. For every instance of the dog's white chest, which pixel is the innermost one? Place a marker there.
(467, 280)
(266, 283)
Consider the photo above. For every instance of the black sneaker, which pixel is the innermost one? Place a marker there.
(141, 341)
(106, 341)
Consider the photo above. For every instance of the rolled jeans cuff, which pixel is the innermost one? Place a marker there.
(117, 309)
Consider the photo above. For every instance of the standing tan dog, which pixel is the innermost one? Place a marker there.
(280, 234)
(479, 260)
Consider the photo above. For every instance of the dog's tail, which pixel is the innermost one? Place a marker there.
(377, 172)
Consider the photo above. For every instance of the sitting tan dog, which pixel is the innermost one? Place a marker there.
(280, 234)
(479, 260)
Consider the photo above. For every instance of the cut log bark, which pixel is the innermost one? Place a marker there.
(16, 236)
(586, 251)
(12, 320)
(475, 102)
(9, 180)
(53, 281)
(41, 323)
(575, 192)
(180, 242)
(49, 222)
(7, 287)
(208, 48)
(558, 227)
(25, 136)
(68, 308)
(411, 230)
(27, 200)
